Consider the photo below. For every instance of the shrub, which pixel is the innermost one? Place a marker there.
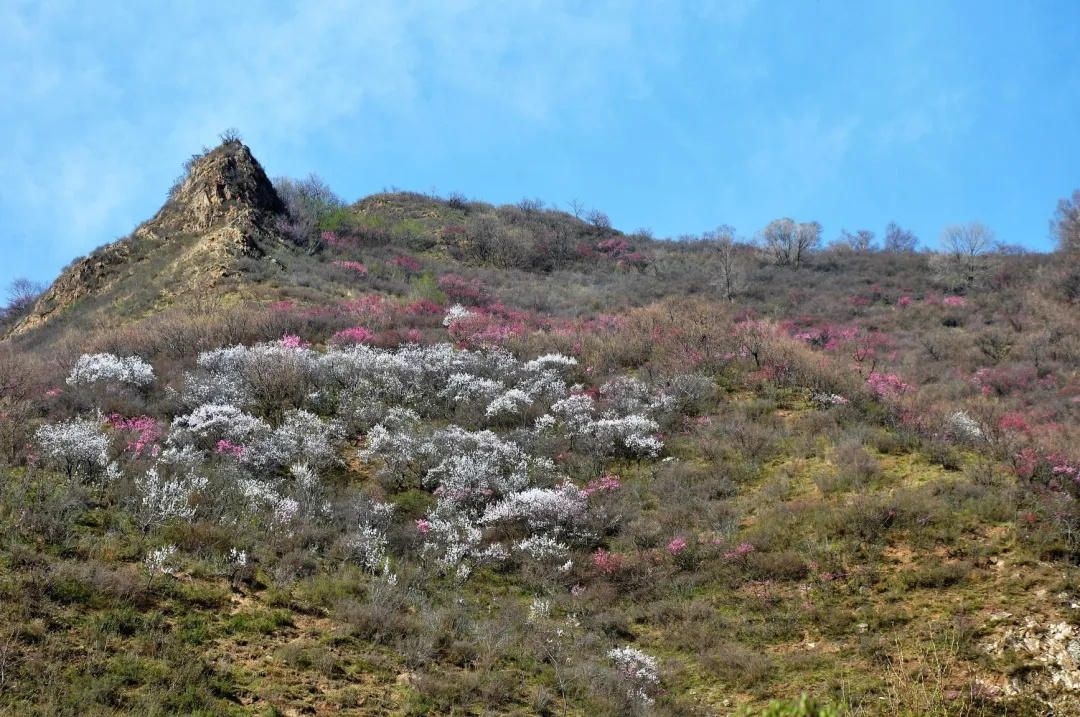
(802, 707)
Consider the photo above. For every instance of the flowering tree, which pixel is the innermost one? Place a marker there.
(160, 498)
(77, 447)
(144, 432)
(638, 671)
(94, 368)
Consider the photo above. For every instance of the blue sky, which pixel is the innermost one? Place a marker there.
(677, 116)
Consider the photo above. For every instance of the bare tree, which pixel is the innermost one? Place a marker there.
(22, 378)
(861, 241)
(308, 202)
(1011, 249)
(577, 207)
(457, 200)
(790, 243)
(530, 204)
(899, 240)
(230, 135)
(598, 219)
(963, 262)
(21, 295)
(1065, 226)
(492, 242)
(731, 267)
(778, 238)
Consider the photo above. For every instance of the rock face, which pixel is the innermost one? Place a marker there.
(224, 210)
(227, 186)
(1051, 653)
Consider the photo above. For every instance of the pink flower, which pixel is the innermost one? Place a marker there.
(355, 335)
(886, 384)
(292, 341)
(353, 266)
(955, 301)
(604, 483)
(53, 392)
(423, 306)
(740, 552)
(471, 292)
(614, 247)
(407, 263)
(333, 239)
(904, 301)
(422, 526)
(145, 429)
(229, 448)
(676, 546)
(607, 562)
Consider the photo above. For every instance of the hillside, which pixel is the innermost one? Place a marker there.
(279, 454)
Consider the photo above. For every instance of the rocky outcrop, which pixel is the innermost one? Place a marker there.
(223, 210)
(226, 186)
(1049, 652)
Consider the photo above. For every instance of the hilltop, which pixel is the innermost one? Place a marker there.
(222, 212)
(276, 452)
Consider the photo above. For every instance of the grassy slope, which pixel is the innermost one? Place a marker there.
(896, 632)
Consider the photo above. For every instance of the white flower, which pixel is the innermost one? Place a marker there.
(626, 395)
(828, 399)
(465, 388)
(542, 547)
(539, 609)
(91, 368)
(545, 423)
(161, 499)
(554, 510)
(965, 427)
(216, 421)
(257, 494)
(545, 384)
(157, 560)
(78, 447)
(633, 433)
(369, 547)
(303, 436)
(547, 361)
(455, 313)
(638, 670)
(511, 403)
(285, 510)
